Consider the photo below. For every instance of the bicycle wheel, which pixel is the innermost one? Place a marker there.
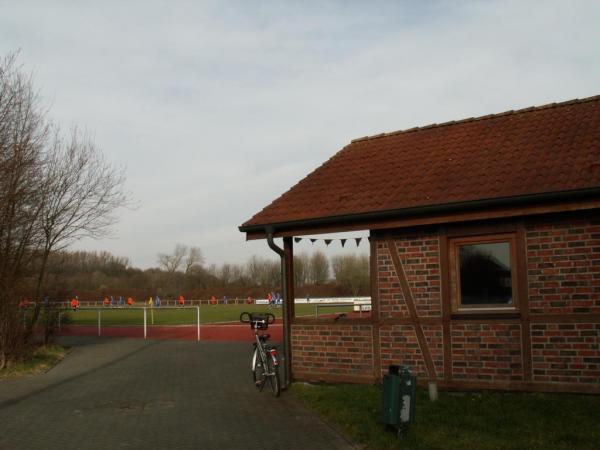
(258, 370)
(273, 371)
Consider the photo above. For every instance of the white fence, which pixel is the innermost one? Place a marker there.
(144, 309)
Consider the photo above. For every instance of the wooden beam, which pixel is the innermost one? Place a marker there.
(375, 309)
(446, 304)
(408, 298)
(439, 219)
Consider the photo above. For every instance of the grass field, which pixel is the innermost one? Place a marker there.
(164, 316)
(462, 421)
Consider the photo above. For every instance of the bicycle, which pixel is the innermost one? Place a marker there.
(265, 358)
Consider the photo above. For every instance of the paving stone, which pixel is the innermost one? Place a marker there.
(136, 394)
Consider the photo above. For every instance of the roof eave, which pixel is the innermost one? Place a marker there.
(520, 200)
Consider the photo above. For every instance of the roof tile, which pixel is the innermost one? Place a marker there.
(542, 149)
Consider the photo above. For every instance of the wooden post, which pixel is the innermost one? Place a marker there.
(288, 248)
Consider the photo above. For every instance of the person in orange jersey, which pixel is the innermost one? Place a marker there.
(106, 301)
(213, 300)
(75, 303)
(181, 300)
(130, 301)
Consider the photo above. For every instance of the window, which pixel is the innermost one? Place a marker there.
(483, 273)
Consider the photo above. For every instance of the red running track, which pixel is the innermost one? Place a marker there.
(222, 332)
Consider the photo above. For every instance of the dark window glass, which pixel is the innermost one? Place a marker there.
(485, 274)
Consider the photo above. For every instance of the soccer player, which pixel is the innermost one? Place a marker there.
(181, 300)
(75, 303)
(106, 301)
(130, 301)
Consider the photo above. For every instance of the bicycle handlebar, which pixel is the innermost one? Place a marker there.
(247, 317)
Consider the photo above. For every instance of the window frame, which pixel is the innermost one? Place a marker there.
(454, 271)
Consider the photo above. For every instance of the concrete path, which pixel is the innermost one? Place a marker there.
(134, 394)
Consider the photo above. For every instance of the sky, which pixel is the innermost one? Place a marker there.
(216, 108)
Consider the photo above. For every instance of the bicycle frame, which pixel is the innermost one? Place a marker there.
(263, 349)
(265, 358)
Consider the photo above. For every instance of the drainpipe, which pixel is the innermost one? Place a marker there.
(286, 325)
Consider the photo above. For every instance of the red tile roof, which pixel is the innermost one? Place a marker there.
(546, 149)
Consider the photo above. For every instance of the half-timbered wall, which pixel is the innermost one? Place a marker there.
(551, 342)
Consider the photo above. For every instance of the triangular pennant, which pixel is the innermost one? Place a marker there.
(343, 241)
(358, 241)
(312, 241)
(328, 241)
(297, 239)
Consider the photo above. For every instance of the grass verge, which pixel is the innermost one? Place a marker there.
(458, 421)
(44, 358)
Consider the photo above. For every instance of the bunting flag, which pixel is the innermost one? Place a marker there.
(343, 241)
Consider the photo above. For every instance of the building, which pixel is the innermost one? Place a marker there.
(485, 252)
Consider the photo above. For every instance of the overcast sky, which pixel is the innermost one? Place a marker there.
(218, 107)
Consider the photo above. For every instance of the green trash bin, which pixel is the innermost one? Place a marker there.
(398, 399)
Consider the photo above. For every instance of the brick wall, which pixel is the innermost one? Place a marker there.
(420, 257)
(566, 353)
(563, 277)
(563, 267)
(486, 352)
(399, 345)
(333, 350)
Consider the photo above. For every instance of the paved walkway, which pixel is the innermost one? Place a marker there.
(134, 394)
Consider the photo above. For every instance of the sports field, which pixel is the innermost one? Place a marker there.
(187, 316)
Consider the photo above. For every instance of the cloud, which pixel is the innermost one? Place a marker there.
(218, 108)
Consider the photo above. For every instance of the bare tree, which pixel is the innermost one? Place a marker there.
(352, 272)
(263, 272)
(172, 262)
(194, 258)
(301, 269)
(81, 192)
(23, 133)
(319, 268)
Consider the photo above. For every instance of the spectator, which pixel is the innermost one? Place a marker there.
(106, 301)
(157, 302)
(213, 300)
(181, 300)
(75, 303)
(112, 301)
(249, 300)
(224, 299)
(121, 301)
(46, 301)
